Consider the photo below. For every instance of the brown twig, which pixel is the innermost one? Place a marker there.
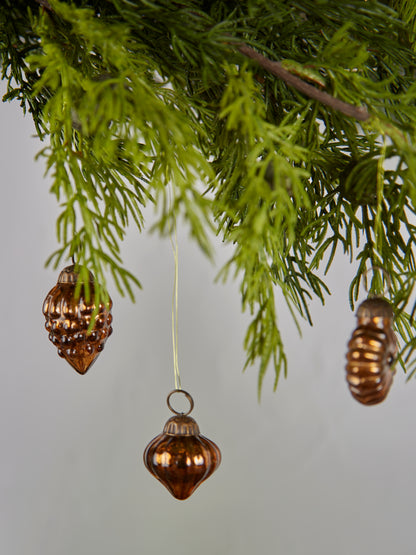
(45, 4)
(276, 68)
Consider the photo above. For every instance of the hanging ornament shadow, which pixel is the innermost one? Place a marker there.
(180, 457)
(372, 352)
(68, 318)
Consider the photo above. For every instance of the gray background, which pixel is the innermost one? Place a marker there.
(308, 471)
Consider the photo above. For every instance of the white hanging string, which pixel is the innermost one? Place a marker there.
(174, 243)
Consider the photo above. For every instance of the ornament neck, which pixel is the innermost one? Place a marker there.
(68, 275)
(181, 425)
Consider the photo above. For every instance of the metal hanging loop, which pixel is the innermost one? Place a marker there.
(187, 395)
(386, 279)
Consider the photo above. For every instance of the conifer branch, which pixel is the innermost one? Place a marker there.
(358, 112)
(289, 183)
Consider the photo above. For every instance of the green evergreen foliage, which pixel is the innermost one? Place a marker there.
(288, 162)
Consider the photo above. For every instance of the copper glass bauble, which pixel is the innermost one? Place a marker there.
(180, 457)
(372, 352)
(68, 318)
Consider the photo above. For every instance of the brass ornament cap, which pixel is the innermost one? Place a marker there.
(372, 352)
(68, 318)
(180, 457)
(374, 308)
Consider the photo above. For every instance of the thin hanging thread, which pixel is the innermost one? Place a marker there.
(174, 243)
(380, 191)
(377, 219)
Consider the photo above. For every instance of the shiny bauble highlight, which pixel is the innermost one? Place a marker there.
(68, 313)
(372, 352)
(180, 457)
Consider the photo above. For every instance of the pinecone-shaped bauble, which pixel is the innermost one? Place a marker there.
(372, 351)
(68, 318)
(180, 457)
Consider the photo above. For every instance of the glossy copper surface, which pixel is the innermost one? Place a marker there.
(180, 457)
(68, 318)
(372, 351)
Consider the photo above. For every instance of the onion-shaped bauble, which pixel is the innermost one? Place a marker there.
(372, 352)
(68, 318)
(180, 457)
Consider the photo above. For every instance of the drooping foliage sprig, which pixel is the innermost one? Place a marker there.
(286, 126)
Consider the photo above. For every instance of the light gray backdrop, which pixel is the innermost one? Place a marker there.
(308, 471)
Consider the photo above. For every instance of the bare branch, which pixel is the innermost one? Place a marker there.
(358, 112)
